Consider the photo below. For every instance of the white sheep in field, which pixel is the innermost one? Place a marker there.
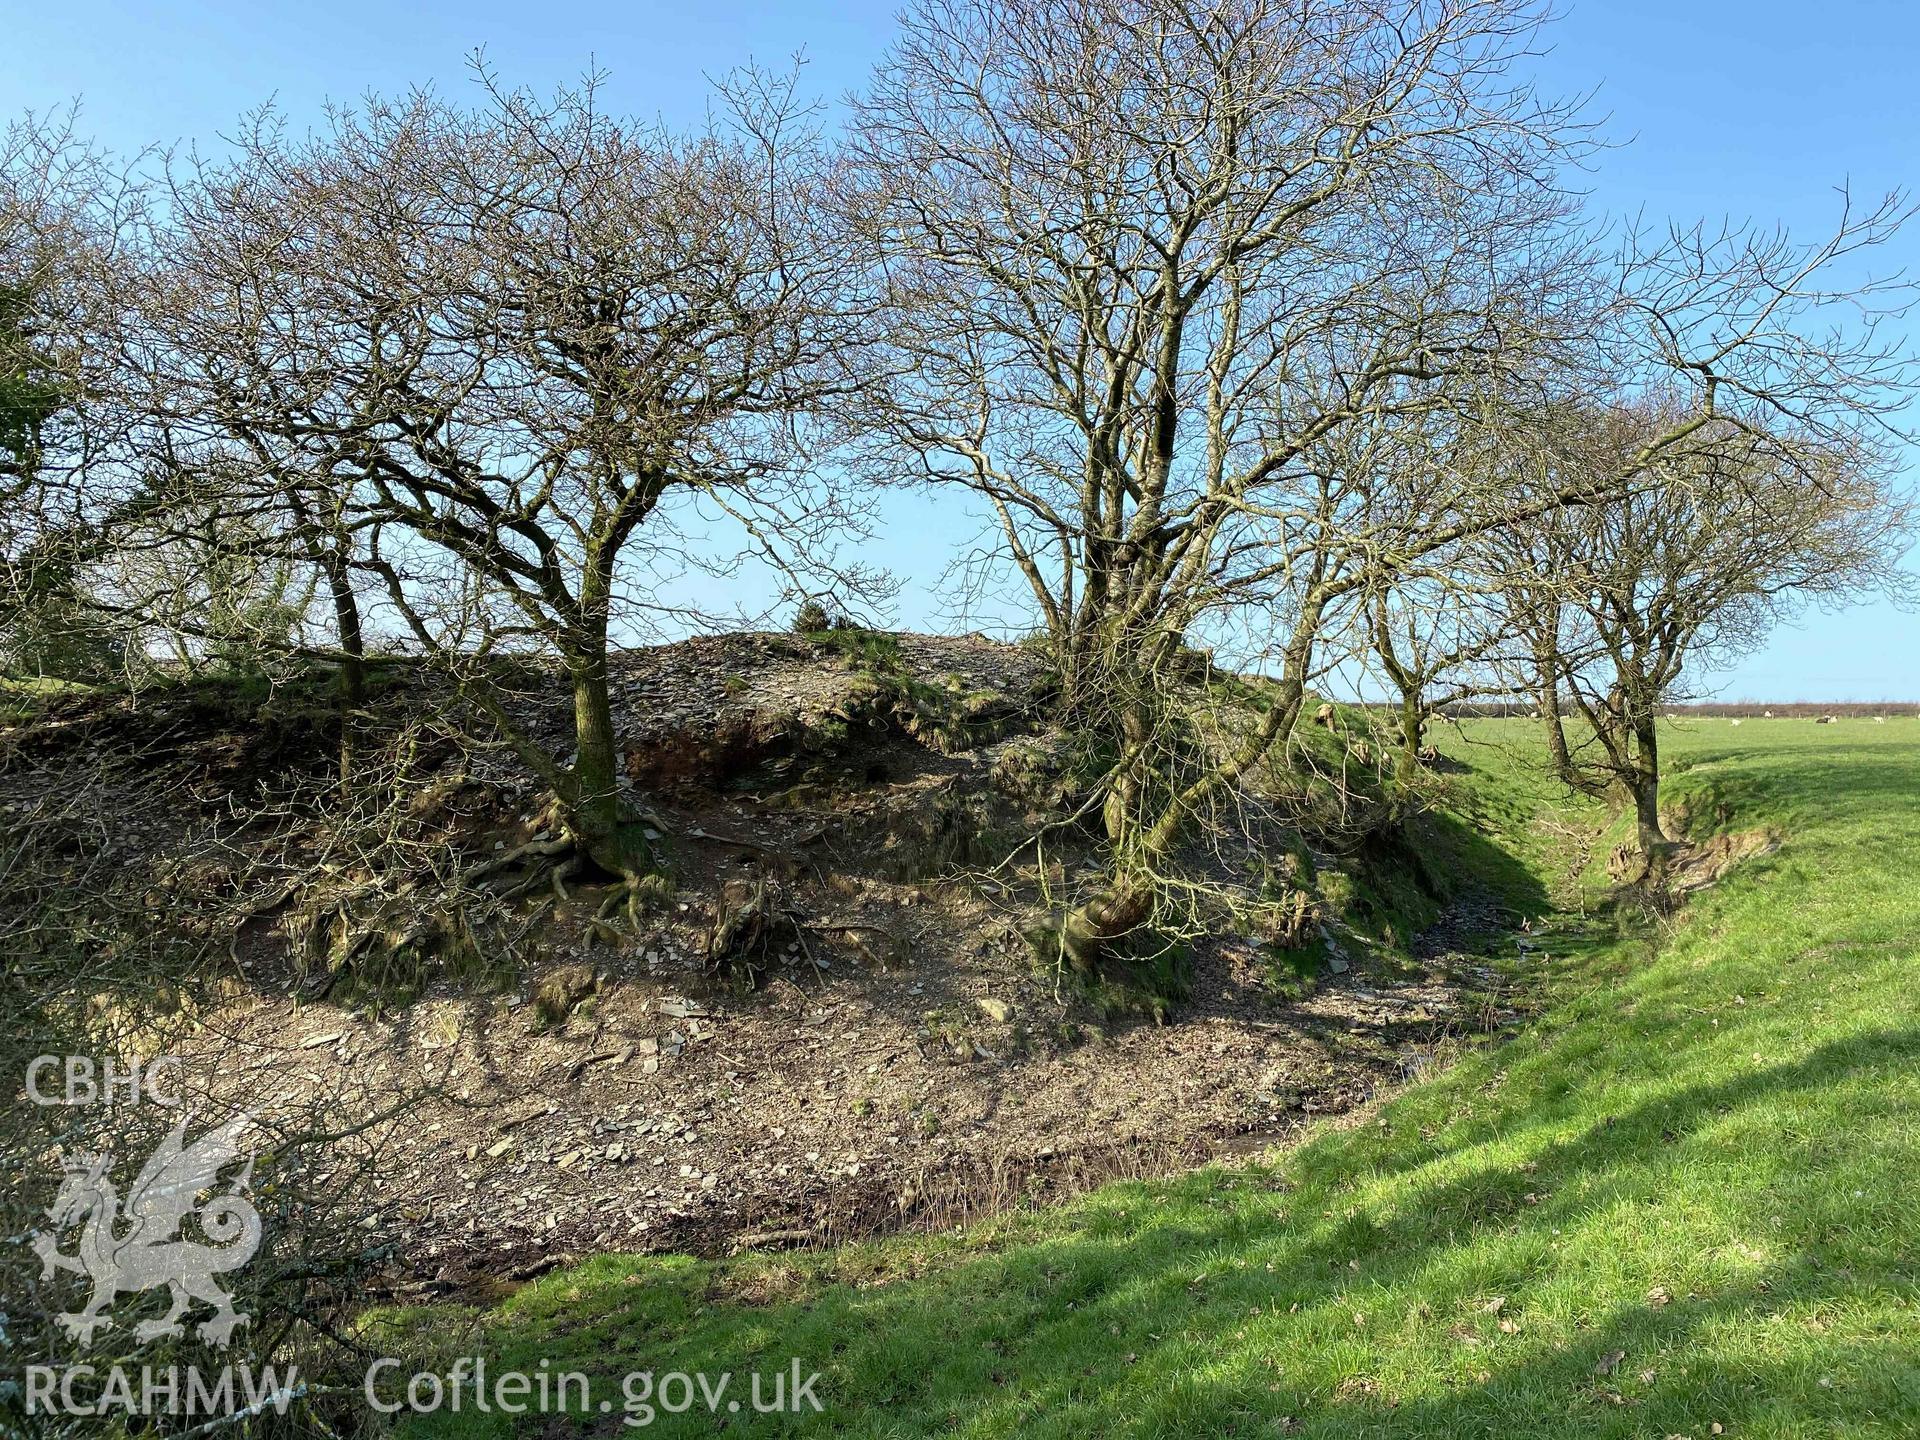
(1736, 720)
(1879, 719)
(1766, 714)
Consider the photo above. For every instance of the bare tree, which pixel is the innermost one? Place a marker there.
(1693, 563)
(1198, 296)
(1436, 641)
(480, 356)
(1169, 277)
(49, 183)
(64, 210)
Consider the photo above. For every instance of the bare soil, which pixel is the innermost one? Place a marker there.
(897, 1057)
(831, 1104)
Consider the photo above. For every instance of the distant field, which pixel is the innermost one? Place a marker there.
(1681, 1201)
(1754, 709)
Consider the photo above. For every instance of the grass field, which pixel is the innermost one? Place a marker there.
(1684, 1200)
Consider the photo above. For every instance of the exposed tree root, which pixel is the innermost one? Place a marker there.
(542, 864)
(554, 862)
(753, 923)
(632, 896)
(528, 854)
(749, 925)
(363, 928)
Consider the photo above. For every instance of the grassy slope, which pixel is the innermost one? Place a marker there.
(1734, 1119)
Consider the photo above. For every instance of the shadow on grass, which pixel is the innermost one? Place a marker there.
(1456, 859)
(1240, 1303)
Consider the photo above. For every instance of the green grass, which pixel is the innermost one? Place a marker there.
(1684, 1196)
(24, 698)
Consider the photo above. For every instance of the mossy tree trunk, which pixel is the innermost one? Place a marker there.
(611, 839)
(1656, 846)
(353, 660)
(1126, 902)
(591, 799)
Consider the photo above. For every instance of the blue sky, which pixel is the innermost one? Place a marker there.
(1753, 109)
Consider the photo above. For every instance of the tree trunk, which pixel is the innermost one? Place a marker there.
(1655, 846)
(1412, 713)
(612, 842)
(1112, 914)
(1557, 750)
(1121, 810)
(353, 652)
(1412, 729)
(353, 661)
(1126, 901)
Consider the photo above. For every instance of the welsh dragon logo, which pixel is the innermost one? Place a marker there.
(138, 1245)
